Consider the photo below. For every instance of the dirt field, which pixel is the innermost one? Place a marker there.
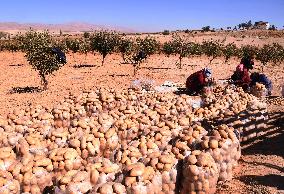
(261, 168)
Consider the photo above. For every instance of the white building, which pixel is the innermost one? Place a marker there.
(261, 25)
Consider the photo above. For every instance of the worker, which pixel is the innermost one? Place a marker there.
(196, 82)
(262, 79)
(241, 76)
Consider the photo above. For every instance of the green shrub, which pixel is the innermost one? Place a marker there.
(38, 51)
(212, 49)
(104, 42)
(230, 50)
(126, 47)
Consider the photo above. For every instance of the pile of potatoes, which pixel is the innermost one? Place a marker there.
(128, 141)
(242, 111)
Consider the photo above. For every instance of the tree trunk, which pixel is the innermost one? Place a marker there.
(211, 60)
(104, 56)
(180, 58)
(44, 81)
(74, 58)
(123, 57)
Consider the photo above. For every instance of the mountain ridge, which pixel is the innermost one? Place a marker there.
(64, 27)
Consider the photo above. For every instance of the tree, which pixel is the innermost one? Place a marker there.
(126, 47)
(212, 49)
(73, 45)
(86, 35)
(270, 53)
(248, 51)
(144, 48)
(148, 45)
(3, 35)
(265, 54)
(182, 47)
(229, 50)
(84, 48)
(278, 53)
(272, 27)
(206, 29)
(166, 32)
(39, 51)
(104, 42)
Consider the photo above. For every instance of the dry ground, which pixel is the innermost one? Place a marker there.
(261, 168)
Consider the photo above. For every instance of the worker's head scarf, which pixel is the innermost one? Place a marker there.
(247, 62)
(240, 68)
(207, 72)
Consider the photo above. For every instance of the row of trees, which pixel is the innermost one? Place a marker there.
(38, 49)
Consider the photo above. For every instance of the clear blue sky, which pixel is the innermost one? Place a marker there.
(148, 15)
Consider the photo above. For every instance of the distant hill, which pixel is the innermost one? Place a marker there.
(74, 27)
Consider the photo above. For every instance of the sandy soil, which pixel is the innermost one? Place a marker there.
(261, 168)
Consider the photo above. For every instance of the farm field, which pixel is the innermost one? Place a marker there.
(260, 168)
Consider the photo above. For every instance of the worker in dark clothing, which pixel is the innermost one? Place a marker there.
(241, 76)
(198, 80)
(60, 55)
(263, 79)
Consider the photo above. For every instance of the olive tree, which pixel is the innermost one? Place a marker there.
(230, 50)
(104, 42)
(126, 47)
(39, 51)
(73, 45)
(248, 51)
(145, 47)
(182, 47)
(84, 48)
(212, 49)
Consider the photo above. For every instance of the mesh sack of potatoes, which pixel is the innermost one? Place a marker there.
(110, 187)
(259, 90)
(8, 184)
(65, 159)
(224, 146)
(200, 173)
(74, 181)
(142, 179)
(34, 172)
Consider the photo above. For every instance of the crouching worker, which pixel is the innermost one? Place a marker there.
(196, 82)
(241, 76)
(262, 79)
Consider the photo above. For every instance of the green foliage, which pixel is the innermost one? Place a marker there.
(212, 49)
(270, 53)
(182, 47)
(86, 35)
(148, 45)
(85, 48)
(104, 42)
(248, 51)
(3, 35)
(166, 32)
(73, 45)
(206, 28)
(278, 53)
(229, 50)
(61, 44)
(126, 47)
(38, 51)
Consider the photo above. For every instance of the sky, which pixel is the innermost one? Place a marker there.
(146, 15)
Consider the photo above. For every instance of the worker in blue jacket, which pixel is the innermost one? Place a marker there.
(263, 79)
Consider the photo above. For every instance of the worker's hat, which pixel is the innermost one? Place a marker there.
(207, 72)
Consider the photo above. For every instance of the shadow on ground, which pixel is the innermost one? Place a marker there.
(270, 180)
(271, 143)
(27, 89)
(16, 65)
(84, 66)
